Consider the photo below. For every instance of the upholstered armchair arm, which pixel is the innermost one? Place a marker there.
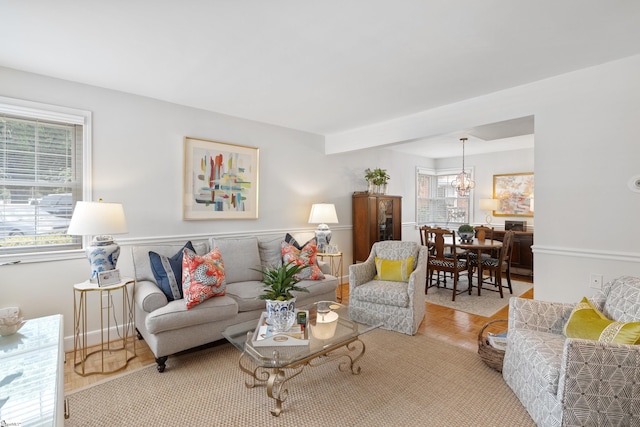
(361, 273)
(605, 375)
(148, 296)
(417, 277)
(538, 315)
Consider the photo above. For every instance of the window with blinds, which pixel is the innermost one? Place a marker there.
(41, 178)
(437, 202)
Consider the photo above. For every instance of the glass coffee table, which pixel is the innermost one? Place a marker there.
(276, 364)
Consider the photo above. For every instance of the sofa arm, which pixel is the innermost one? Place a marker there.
(361, 273)
(603, 374)
(149, 297)
(538, 315)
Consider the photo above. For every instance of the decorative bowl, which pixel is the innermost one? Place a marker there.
(6, 330)
(282, 321)
(466, 236)
(10, 320)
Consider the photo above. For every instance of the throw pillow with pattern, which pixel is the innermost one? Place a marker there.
(305, 256)
(202, 276)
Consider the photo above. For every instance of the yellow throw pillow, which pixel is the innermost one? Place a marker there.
(394, 270)
(588, 323)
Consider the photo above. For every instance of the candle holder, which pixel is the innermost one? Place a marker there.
(326, 321)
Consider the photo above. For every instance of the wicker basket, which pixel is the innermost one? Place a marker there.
(490, 355)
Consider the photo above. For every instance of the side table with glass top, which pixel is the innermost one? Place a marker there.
(276, 365)
(335, 261)
(108, 356)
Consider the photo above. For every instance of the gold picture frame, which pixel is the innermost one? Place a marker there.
(220, 180)
(515, 192)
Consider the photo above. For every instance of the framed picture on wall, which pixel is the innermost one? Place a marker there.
(515, 192)
(220, 180)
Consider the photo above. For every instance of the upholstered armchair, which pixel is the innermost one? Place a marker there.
(398, 303)
(570, 381)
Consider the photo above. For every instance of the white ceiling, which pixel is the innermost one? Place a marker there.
(319, 66)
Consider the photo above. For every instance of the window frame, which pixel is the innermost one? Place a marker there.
(436, 173)
(57, 114)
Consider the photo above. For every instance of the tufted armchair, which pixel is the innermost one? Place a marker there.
(569, 381)
(399, 305)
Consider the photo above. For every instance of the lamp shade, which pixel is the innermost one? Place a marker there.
(323, 213)
(96, 218)
(489, 204)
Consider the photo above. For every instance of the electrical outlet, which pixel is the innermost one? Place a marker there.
(595, 281)
(105, 301)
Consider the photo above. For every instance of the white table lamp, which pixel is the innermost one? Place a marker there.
(323, 214)
(489, 205)
(100, 220)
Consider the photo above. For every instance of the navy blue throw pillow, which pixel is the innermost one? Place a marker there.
(168, 272)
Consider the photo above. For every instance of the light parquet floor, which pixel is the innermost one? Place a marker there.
(454, 326)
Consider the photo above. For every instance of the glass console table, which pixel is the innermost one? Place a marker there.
(276, 365)
(32, 374)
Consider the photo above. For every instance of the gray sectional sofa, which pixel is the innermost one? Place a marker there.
(168, 327)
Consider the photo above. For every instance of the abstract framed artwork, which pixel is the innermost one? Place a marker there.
(220, 180)
(515, 192)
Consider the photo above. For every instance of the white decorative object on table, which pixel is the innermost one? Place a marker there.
(10, 321)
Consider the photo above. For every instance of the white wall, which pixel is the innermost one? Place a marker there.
(586, 149)
(138, 160)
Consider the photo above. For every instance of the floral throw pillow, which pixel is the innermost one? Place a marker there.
(202, 276)
(305, 256)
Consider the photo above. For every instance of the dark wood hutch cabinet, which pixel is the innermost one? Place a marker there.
(376, 217)
(521, 255)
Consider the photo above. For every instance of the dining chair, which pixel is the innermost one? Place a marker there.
(427, 240)
(496, 265)
(445, 258)
(482, 232)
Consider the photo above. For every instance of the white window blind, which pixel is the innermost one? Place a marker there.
(41, 177)
(437, 202)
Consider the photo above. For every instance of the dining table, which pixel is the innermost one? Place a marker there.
(479, 246)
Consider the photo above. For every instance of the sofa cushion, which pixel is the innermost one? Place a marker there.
(305, 256)
(175, 314)
(202, 276)
(246, 293)
(241, 258)
(270, 250)
(168, 272)
(588, 323)
(142, 264)
(394, 270)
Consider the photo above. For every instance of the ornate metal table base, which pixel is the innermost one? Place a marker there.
(276, 378)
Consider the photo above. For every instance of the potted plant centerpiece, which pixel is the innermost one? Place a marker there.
(279, 282)
(377, 180)
(466, 232)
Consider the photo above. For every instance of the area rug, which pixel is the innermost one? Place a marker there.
(410, 381)
(486, 305)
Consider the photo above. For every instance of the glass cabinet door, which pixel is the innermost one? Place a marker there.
(385, 219)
